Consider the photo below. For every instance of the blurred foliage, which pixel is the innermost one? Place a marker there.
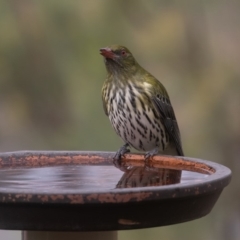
(51, 75)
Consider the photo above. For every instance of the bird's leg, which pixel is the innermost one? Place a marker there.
(124, 149)
(151, 153)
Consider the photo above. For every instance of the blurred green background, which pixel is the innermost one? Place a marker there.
(51, 76)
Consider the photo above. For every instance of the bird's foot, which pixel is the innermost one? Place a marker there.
(117, 158)
(151, 153)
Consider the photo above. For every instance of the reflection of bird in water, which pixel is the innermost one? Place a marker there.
(144, 176)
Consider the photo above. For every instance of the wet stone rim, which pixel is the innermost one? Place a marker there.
(219, 177)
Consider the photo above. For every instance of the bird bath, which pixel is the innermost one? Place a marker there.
(82, 195)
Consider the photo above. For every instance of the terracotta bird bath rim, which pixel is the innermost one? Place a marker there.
(218, 174)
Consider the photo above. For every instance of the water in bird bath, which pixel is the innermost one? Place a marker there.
(88, 178)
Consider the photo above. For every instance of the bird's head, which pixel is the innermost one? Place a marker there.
(118, 59)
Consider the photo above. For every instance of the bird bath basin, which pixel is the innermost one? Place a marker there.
(84, 191)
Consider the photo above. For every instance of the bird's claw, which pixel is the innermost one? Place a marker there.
(117, 158)
(150, 154)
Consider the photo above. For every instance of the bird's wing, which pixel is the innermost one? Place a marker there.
(164, 107)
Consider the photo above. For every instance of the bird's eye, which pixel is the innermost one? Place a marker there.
(123, 52)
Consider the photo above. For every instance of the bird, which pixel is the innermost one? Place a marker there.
(138, 106)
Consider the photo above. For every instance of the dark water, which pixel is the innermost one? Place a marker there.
(76, 177)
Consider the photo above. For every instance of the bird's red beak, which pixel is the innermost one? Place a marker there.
(107, 52)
